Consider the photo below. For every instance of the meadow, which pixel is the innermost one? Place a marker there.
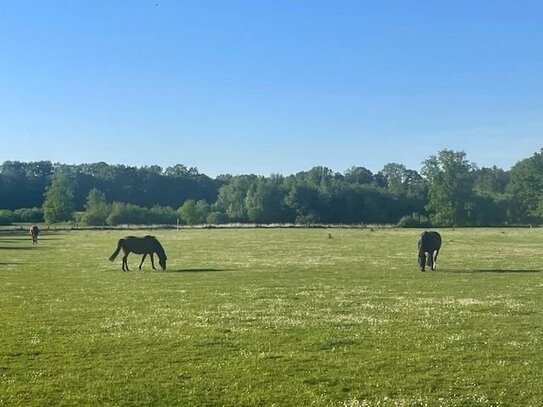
(264, 317)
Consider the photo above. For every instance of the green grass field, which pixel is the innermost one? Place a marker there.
(262, 317)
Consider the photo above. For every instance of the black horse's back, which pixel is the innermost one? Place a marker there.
(429, 245)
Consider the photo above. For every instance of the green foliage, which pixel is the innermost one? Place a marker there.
(6, 217)
(59, 198)
(194, 212)
(450, 190)
(162, 215)
(123, 213)
(414, 220)
(22, 185)
(31, 215)
(96, 210)
(231, 199)
(359, 175)
(283, 317)
(526, 188)
(450, 181)
(265, 201)
(26, 215)
(216, 218)
(306, 201)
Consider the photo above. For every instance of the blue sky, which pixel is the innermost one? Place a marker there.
(270, 86)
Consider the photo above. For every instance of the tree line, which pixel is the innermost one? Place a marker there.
(449, 190)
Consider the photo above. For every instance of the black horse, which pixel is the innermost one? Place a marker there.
(34, 232)
(140, 245)
(429, 245)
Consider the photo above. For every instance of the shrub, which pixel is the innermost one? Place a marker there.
(162, 215)
(414, 220)
(124, 213)
(30, 215)
(6, 217)
(216, 218)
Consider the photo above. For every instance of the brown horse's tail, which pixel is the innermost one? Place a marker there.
(116, 252)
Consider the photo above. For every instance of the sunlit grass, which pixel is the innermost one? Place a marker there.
(273, 317)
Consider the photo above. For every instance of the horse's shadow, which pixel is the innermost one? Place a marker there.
(497, 271)
(197, 270)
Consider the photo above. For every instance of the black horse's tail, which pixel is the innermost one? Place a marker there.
(116, 252)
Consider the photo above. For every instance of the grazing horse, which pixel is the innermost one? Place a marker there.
(429, 245)
(140, 245)
(34, 232)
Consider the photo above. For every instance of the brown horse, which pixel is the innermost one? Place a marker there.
(140, 245)
(34, 232)
(429, 245)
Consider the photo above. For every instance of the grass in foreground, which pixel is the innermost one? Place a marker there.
(273, 317)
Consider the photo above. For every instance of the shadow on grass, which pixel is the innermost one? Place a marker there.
(9, 263)
(196, 270)
(17, 248)
(496, 271)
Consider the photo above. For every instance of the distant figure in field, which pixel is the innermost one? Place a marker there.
(140, 245)
(34, 232)
(429, 245)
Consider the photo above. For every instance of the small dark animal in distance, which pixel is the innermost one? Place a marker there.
(34, 232)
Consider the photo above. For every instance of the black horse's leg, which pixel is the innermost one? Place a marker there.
(142, 259)
(429, 259)
(435, 259)
(152, 262)
(422, 260)
(125, 263)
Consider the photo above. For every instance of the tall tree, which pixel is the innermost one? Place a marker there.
(359, 175)
(193, 212)
(265, 200)
(97, 209)
(59, 198)
(526, 188)
(232, 195)
(450, 180)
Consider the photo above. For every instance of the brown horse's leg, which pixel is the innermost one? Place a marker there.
(152, 262)
(142, 260)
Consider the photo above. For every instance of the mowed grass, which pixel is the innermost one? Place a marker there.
(262, 317)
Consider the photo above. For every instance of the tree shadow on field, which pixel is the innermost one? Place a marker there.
(17, 248)
(197, 270)
(519, 271)
(12, 241)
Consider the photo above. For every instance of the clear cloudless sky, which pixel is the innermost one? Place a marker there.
(270, 86)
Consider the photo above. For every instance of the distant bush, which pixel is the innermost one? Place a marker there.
(7, 217)
(307, 219)
(30, 215)
(193, 212)
(123, 213)
(163, 215)
(217, 218)
(414, 220)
